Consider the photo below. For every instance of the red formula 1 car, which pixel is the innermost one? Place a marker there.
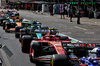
(59, 51)
(48, 47)
(28, 36)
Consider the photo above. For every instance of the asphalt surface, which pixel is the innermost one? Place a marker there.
(11, 53)
(83, 32)
(86, 32)
(15, 56)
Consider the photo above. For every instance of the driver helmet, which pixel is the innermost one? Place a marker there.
(98, 52)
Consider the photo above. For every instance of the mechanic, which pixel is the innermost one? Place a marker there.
(71, 15)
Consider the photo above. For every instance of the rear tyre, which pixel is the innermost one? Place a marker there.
(17, 35)
(4, 26)
(23, 50)
(7, 25)
(17, 30)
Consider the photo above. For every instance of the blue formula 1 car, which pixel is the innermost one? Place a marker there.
(79, 54)
(93, 59)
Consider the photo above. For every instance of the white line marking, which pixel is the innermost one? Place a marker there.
(6, 61)
(71, 38)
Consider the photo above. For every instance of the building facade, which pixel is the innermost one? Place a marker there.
(78, 3)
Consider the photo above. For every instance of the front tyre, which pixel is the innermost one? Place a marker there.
(30, 56)
(35, 51)
(59, 60)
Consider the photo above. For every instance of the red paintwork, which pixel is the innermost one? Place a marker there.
(53, 40)
(98, 58)
(82, 65)
(57, 43)
(33, 53)
(21, 43)
(58, 47)
(74, 59)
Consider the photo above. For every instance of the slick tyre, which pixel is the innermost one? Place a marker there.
(31, 60)
(7, 27)
(23, 50)
(36, 48)
(17, 35)
(59, 60)
(17, 30)
(4, 26)
(25, 42)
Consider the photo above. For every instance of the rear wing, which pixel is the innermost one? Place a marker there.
(45, 31)
(38, 23)
(42, 31)
(30, 22)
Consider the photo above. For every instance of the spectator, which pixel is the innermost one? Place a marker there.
(17, 7)
(88, 8)
(51, 10)
(71, 14)
(85, 12)
(62, 11)
(90, 13)
(39, 8)
(95, 13)
(54, 8)
(22, 7)
(68, 10)
(78, 16)
(73, 9)
(28, 7)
